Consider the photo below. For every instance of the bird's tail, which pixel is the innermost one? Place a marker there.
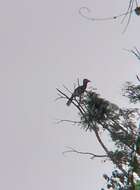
(69, 101)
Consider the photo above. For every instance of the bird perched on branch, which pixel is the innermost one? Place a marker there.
(78, 91)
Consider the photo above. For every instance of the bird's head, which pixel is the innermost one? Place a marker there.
(85, 81)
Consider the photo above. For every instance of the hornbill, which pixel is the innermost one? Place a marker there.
(78, 91)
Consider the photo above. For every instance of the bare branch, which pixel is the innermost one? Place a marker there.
(85, 10)
(69, 121)
(67, 89)
(77, 106)
(134, 52)
(59, 98)
(72, 150)
(62, 94)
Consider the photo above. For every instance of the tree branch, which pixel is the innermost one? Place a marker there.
(77, 106)
(69, 121)
(72, 150)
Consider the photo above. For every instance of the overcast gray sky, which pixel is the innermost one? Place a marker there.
(45, 44)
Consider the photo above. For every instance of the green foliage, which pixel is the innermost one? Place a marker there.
(102, 114)
(97, 111)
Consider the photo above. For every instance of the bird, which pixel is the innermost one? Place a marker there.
(78, 91)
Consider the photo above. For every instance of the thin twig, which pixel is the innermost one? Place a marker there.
(134, 52)
(99, 19)
(59, 98)
(129, 17)
(67, 89)
(128, 9)
(67, 120)
(72, 150)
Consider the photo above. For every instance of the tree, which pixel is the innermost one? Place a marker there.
(97, 114)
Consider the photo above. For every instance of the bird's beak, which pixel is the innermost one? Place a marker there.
(88, 81)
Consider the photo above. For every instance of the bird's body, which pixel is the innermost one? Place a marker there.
(78, 91)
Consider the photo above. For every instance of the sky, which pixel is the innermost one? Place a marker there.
(45, 45)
